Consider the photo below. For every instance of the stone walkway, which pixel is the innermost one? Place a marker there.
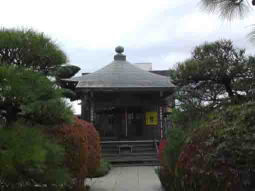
(127, 179)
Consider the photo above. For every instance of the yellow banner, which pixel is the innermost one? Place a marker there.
(151, 118)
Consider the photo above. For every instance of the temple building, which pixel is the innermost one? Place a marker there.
(125, 102)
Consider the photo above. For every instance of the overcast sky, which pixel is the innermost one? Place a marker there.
(159, 31)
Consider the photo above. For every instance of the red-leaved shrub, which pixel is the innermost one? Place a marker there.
(164, 172)
(162, 145)
(197, 169)
(74, 139)
(94, 148)
(82, 150)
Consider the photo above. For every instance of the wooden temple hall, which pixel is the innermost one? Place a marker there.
(125, 102)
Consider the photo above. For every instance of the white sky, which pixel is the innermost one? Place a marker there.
(159, 31)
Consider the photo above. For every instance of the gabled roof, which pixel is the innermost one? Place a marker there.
(122, 74)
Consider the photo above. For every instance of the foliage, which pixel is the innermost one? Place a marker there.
(230, 9)
(169, 152)
(28, 158)
(94, 147)
(30, 100)
(216, 74)
(175, 141)
(37, 52)
(74, 139)
(67, 86)
(32, 96)
(186, 117)
(161, 152)
(83, 151)
(67, 71)
(163, 171)
(30, 49)
(217, 155)
(102, 170)
(221, 152)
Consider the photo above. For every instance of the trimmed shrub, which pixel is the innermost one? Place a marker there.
(175, 141)
(220, 155)
(74, 139)
(83, 151)
(29, 158)
(94, 147)
(162, 145)
(105, 167)
(169, 151)
(161, 152)
(193, 166)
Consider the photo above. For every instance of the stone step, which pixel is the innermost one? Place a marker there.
(131, 159)
(134, 150)
(141, 163)
(134, 145)
(129, 154)
(129, 141)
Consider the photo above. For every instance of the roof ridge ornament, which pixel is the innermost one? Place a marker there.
(119, 56)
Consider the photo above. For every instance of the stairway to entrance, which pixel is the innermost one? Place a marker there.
(131, 153)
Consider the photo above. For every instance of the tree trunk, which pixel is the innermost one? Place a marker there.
(229, 90)
(11, 113)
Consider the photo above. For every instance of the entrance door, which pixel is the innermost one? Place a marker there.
(135, 122)
(111, 123)
(120, 123)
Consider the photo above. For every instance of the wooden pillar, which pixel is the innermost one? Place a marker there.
(161, 115)
(83, 107)
(86, 108)
(126, 122)
(92, 107)
(161, 121)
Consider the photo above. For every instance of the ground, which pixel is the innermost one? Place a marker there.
(142, 178)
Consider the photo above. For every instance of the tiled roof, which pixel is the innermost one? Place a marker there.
(122, 74)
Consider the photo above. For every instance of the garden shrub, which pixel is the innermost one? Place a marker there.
(220, 154)
(94, 147)
(29, 158)
(175, 141)
(161, 152)
(186, 117)
(163, 171)
(192, 164)
(83, 151)
(74, 139)
(102, 170)
(169, 151)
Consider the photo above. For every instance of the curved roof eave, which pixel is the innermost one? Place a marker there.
(120, 74)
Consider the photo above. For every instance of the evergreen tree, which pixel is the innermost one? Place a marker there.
(217, 73)
(31, 96)
(231, 9)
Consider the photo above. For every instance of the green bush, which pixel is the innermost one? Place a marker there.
(175, 141)
(220, 154)
(31, 96)
(28, 158)
(171, 151)
(186, 117)
(105, 167)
